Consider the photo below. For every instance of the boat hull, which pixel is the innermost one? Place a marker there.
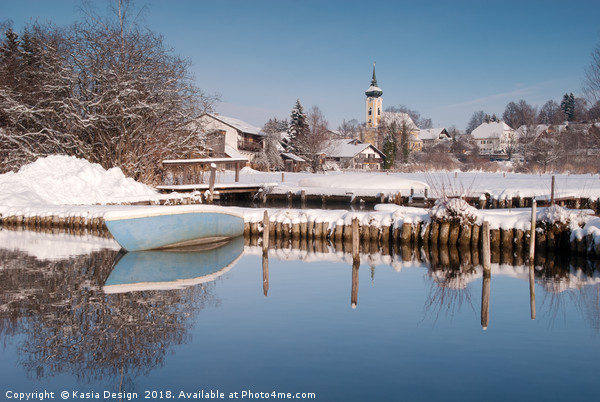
(159, 228)
(172, 268)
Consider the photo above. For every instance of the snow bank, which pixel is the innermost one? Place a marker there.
(66, 180)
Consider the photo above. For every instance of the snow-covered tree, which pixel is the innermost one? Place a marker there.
(105, 89)
(298, 128)
(273, 130)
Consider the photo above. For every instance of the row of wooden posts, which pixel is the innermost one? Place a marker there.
(438, 233)
(74, 224)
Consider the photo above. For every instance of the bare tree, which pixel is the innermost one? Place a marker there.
(350, 129)
(551, 113)
(591, 83)
(518, 114)
(476, 120)
(421, 122)
(317, 140)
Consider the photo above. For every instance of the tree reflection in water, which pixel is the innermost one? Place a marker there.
(564, 277)
(70, 325)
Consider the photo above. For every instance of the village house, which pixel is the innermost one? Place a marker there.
(432, 136)
(493, 138)
(227, 136)
(353, 154)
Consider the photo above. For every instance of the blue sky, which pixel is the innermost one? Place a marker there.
(445, 59)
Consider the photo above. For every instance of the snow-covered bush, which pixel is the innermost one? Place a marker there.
(454, 210)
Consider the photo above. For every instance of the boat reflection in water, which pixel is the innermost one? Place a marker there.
(173, 268)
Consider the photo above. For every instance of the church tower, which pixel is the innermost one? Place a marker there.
(374, 104)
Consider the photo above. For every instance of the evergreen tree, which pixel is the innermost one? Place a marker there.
(298, 128)
(389, 150)
(567, 105)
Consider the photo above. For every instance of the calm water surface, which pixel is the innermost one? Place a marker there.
(232, 320)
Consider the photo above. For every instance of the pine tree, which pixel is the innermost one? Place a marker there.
(389, 150)
(567, 105)
(298, 128)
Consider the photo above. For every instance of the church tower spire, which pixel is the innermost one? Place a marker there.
(374, 103)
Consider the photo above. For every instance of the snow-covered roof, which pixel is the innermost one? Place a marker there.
(399, 118)
(432, 133)
(493, 129)
(537, 130)
(346, 148)
(238, 124)
(233, 153)
(292, 156)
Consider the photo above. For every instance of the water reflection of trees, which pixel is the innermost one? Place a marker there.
(563, 278)
(70, 325)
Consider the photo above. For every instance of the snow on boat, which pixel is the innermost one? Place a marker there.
(173, 268)
(167, 227)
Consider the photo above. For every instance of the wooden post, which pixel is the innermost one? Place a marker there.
(237, 172)
(211, 185)
(552, 192)
(265, 269)
(486, 252)
(265, 234)
(532, 289)
(282, 177)
(354, 294)
(355, 238)
(487, 276)
(532, 233)
(485, 300)
(303, 198)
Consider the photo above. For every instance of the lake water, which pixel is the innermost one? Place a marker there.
(210, 323)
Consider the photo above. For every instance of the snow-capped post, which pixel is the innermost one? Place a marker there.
(532, 231)
(552, 192)
(282, 177)
(211, 185)
(303, 198)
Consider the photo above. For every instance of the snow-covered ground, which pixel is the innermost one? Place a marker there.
(451, 183)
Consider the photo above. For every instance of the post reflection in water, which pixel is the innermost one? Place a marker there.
(104, 315)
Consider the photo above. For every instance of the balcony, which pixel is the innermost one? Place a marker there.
(249, 146)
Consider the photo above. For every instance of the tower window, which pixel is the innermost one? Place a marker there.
(378, 112)
(370, 111)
